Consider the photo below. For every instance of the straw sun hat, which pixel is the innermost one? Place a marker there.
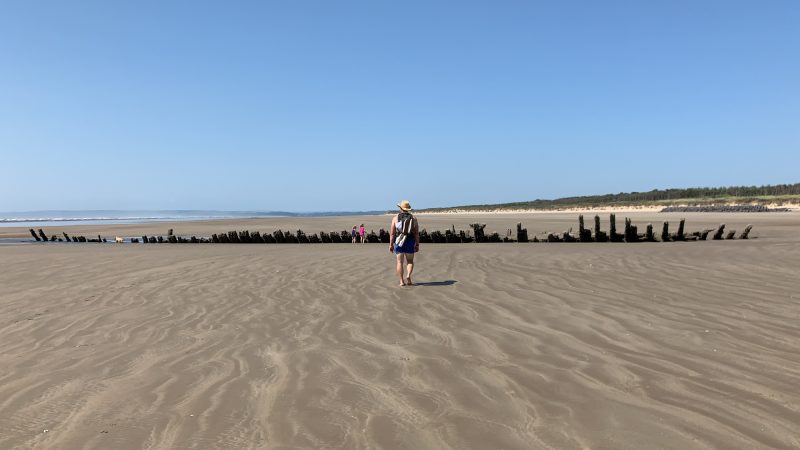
(404, 205)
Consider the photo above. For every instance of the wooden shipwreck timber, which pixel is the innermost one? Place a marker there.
(475, 234)
(42, 237)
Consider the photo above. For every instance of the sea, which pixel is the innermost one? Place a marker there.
(54, 218)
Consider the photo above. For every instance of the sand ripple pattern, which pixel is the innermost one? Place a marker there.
(295, 347)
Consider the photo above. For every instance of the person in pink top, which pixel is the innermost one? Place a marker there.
(362, 232)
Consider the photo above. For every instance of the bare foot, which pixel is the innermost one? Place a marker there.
(402, 283)
(409, 282)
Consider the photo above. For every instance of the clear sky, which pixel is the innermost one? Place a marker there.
(345, 105)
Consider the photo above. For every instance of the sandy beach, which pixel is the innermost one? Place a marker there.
(499, 346)
(537, 223)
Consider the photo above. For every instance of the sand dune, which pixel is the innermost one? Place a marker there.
(684, 345)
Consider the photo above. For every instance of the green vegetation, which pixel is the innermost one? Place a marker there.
(777, 194)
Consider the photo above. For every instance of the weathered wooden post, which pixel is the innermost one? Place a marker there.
(649, 233)
(612, 227)
(480, 235)
(746, 232)
(680, 236)
(731, 235)
(66, 237)
(599, 236)
(424, 237)
(584, 235)
(665, 233)
(42, 235)
(631, 231)
(33, 233)
(627, 230)
(613, 235)
(522, 234)
(718, 234)
(169, 233)
(301, 237)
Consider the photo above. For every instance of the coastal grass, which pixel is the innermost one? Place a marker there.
(602, 202)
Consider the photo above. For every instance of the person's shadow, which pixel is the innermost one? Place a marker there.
(436, 283)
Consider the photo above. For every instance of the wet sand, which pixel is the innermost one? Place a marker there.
(515, 346)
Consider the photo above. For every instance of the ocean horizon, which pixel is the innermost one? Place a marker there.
(52, 218)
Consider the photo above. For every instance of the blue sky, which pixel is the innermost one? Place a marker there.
(308, 106)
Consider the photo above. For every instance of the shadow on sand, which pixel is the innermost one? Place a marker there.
(436, 283)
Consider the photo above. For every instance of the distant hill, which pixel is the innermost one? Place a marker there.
(778, 194)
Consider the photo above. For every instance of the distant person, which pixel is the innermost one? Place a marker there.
(404, 241)
(362, 232)
(353, 235)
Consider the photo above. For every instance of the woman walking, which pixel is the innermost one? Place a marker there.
(404, 241)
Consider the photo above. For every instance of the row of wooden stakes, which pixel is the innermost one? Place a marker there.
(450, 236)
(42, 237)
(631, 233)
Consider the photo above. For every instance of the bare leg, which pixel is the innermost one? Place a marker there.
(399, 269)
(409, 267)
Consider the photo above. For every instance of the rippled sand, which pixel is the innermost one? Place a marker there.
(683, 345)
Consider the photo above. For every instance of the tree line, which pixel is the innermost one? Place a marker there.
(699, 194)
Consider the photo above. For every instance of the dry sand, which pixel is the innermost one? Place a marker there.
(514, 346)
